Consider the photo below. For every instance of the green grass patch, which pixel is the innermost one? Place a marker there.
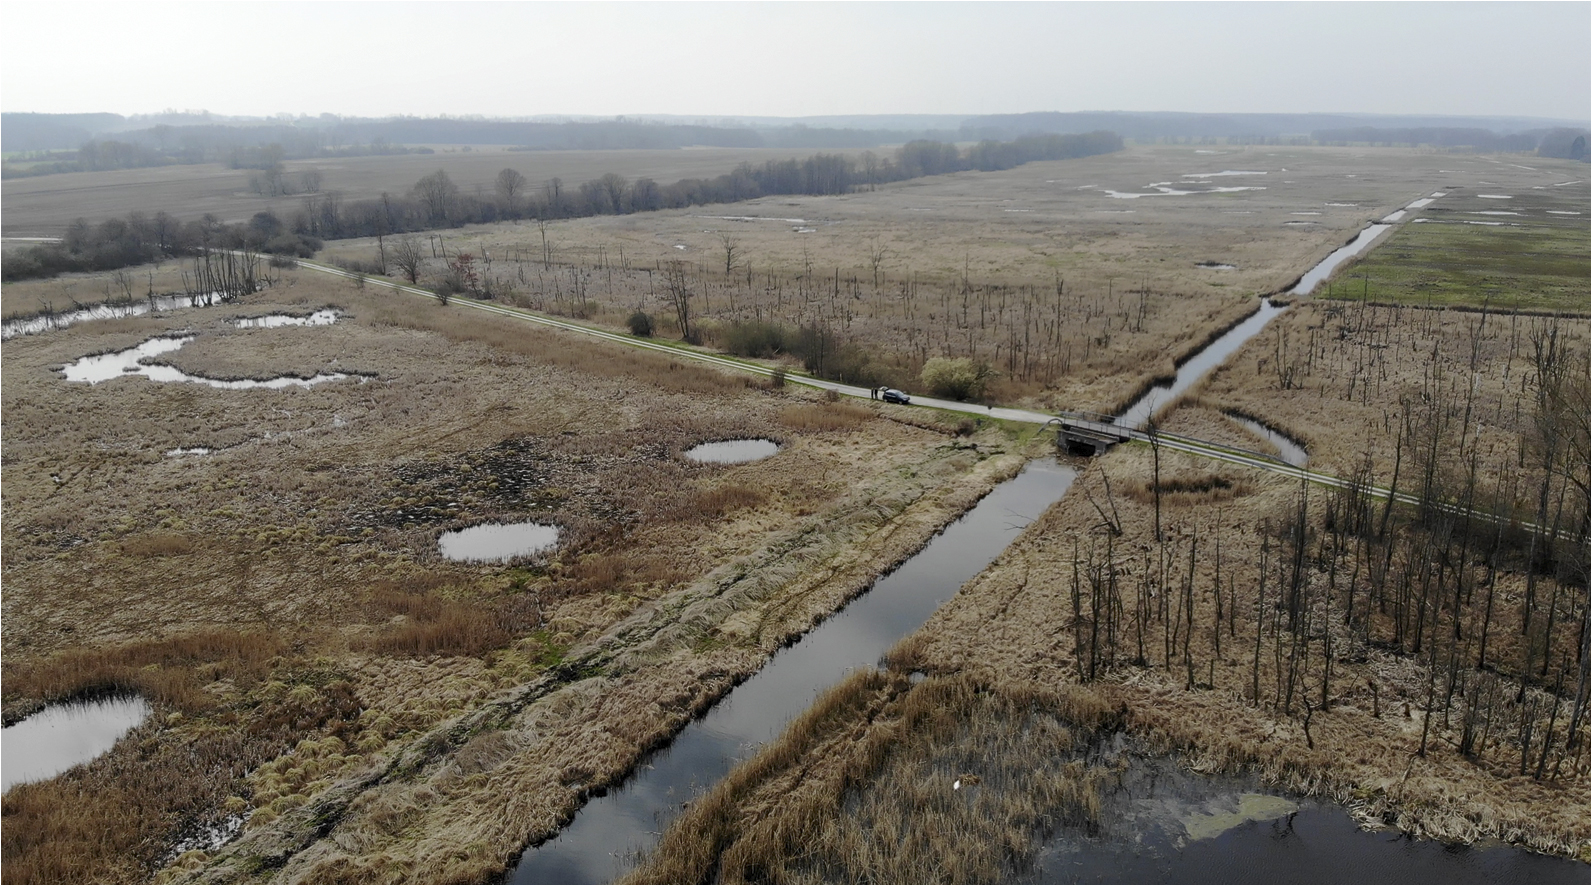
(1536, 267)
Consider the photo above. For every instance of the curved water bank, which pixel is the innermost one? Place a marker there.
(1288, 449)
(611, 829)
(97, 368)
(106, 311)
(59, 737)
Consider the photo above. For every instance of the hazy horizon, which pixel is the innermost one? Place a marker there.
(725, 60)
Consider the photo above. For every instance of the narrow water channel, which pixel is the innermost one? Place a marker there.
(610, 832)
(1214, 355)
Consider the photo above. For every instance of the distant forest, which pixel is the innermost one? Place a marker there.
(436, 201)
(42, 144)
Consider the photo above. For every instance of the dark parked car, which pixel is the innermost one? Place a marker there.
(891, 395)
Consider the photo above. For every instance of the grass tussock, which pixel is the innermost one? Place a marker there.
(825, 416)
(949, 780)
(422, 623)
(727, 498)
(1191, 490)
(158, 544)
(170, 673)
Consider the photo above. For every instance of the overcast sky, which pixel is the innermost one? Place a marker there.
(797, 59)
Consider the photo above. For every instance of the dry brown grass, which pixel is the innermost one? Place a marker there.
(864, 787)
(840, 416)
(797, 812)
(959, 275)
(311, 529)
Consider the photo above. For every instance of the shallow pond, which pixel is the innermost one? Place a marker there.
(272, 321)
(598, 846)
(62, 736)
(732, 452)
(497, 542)
(105, 367)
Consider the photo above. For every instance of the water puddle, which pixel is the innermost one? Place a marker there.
(612, 829)
(62, 736)
(1562, 212)
(1192, 371)
(1162, 824)
(1169, 189)
(756, 218)
(1216, 266)
(51, 322)
(105, 367)
(272, 321)
(497, 542)
(732, 452)
(1340, 204)
(1396, 215)
(1288, 449)
(1495, 196)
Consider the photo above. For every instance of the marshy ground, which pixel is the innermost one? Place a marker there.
(378, 712)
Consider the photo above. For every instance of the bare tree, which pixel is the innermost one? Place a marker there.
(731, 248)
(510, 184)
(679, 296)
(409, 258)
(876, 254)
(437, 193)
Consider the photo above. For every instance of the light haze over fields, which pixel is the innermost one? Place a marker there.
(797, 59)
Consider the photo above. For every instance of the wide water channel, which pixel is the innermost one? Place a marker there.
(611, 831)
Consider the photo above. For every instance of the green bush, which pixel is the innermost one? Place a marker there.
(640, 324)
(958, 378)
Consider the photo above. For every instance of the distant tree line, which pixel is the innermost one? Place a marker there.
(1435, 136)
(141, 238)
(436, 201)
